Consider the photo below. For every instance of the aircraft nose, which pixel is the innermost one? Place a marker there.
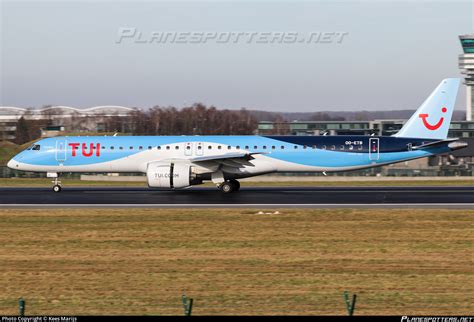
(11, 164)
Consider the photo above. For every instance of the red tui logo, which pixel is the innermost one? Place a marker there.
(428, 125)
(92, 147)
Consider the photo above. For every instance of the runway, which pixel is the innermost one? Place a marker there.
(426, 197)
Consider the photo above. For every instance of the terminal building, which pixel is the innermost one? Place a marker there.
(458, 129)
(60, 118)
(457, 163)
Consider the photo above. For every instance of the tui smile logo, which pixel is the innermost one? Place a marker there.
(430, 126)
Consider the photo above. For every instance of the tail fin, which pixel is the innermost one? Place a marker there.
(431, 120)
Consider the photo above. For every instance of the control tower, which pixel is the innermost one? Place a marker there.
(466, 64)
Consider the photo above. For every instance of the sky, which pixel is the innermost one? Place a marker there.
(391, 55)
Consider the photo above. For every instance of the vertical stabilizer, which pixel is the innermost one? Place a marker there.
(431, 120)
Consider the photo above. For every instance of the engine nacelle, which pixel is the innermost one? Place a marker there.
(169, 175)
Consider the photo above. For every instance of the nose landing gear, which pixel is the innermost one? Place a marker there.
(56, 184)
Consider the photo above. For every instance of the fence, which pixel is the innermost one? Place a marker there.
(187, 306)
(335, 304)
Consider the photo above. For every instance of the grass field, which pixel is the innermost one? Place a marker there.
(138, 261)
(38, 182)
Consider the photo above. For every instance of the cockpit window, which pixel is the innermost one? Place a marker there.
(35, 147)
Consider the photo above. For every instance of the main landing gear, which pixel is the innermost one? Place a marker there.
(229, 186)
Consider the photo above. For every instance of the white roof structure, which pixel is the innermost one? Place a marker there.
(13, 112)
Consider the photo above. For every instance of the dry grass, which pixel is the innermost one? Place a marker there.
(108, 261)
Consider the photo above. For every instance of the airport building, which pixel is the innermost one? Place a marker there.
(457, 163)
(64, 118)
(458, 129)
(466, 64)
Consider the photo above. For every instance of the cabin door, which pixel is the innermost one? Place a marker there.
(61, 148)
(374, 145)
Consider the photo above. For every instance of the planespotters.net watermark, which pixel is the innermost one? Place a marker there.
(437, 319)
(135, 36)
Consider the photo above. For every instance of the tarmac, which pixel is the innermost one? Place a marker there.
(274, 197)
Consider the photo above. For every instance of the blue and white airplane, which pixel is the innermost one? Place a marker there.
(181, 161)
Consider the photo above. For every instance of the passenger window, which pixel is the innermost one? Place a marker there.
(305, 147)
(159, 147)
(199, 147)
(176, 147)
(264, 147)
(341, 147)
(314, 146)
(219, 147)
(273, 147)
(103, 147)
(237, 147)
(149, 147)
(246, 147)
(360, 148)
(296, 147)
(121, 148)
(229, 147)
(140, 148)
(351, 147)
(188, 147)
(111, 148)
(282, 147)
(167, 147)
(131, 148)
(255, 146)
(333, 147)
(323, 147)
(209, 147)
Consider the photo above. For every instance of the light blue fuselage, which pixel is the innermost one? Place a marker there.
(287, 153)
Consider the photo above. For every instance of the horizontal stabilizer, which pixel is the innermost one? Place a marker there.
(433, 144)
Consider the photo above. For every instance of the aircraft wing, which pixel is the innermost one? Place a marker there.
(233, 159)
(227, 156)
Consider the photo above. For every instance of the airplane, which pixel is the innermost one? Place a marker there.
(177, 162)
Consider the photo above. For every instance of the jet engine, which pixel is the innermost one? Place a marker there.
(170, 175)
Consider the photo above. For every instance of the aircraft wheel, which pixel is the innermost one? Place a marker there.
(57, 188)
(236, 184)
(227, 187)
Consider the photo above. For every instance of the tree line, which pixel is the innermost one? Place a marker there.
(194, 120)
(197, 119)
